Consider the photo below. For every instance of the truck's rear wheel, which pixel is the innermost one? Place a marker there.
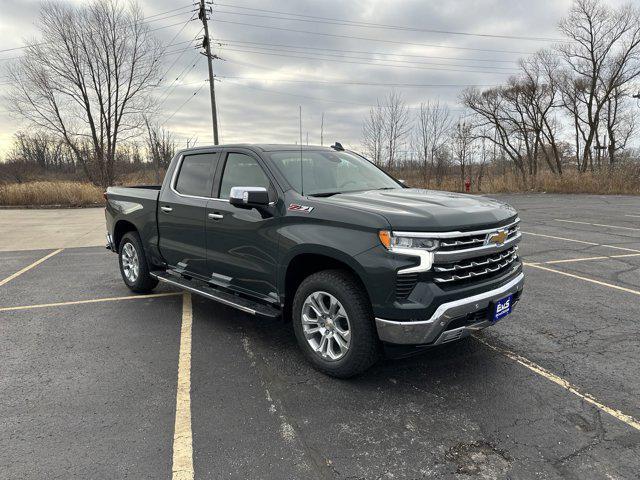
(333, 323)
(133, 264)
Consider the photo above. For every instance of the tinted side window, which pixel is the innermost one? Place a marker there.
(196, 175)
(242, 171)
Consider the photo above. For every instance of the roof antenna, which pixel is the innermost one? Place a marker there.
(301, 163)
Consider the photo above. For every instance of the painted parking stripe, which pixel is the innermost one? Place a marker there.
(182, 466)
(585, 259)
(586, 279)
(93, 300)
(583, 242)
(597, 224)
(534, 367)
(29, 267)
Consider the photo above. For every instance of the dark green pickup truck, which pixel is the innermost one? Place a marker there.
(356, 261)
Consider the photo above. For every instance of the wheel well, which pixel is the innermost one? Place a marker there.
(305, 264)
(122, 227)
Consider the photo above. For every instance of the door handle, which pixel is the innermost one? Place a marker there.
(166, 209)
(215, 216)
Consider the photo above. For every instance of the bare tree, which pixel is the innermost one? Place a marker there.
(433, 125)
(541, 98)
(621, 122)
(88, 80)
(396, 126)
(373, 134)
(602, 56)
(161, 147)
(462, 140)
(500, 123)
(41, 149)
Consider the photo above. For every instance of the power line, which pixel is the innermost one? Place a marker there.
(413, 62)
(142, 22)
(368, 63)
(183, 104)
(305, 47)
(355, 23)
(183, 51)
(397, 42)
(361, 83)
(289, 94)
(171, 87)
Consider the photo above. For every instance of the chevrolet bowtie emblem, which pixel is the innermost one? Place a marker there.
(497, 238)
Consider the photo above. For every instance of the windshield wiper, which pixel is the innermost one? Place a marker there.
(324, 194)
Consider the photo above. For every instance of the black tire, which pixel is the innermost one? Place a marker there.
(364, 348)
(143, 282)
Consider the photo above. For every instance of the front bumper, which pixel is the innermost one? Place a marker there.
(443, 326)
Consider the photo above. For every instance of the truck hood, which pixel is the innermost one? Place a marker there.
(412, 209)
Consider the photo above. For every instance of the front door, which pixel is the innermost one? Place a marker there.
(182, 213)
(242, 243)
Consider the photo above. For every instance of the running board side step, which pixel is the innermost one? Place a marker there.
(200, 288)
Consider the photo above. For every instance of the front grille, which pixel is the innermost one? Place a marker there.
(405, 284)
(464, 242)
(476, 267)
(464, 258)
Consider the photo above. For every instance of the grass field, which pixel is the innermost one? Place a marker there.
(73, 193)
(50, 193)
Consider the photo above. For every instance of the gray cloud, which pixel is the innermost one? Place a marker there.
(262, 105)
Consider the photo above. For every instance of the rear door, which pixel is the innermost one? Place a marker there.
(182, 212)
(242, 244)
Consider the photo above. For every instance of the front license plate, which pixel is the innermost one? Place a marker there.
(502, 308)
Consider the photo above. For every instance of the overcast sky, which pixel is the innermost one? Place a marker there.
(269, 70)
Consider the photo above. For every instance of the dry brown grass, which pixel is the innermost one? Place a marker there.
(142, 177)
(68, 193)
(63, 193)
(623, 181)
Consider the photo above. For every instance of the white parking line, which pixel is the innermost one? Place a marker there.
(534, 367)
(182, 467)
(93, 300)
(598, 224)
(29, 267)
(571, 260)
(586, 279)
(583, 242)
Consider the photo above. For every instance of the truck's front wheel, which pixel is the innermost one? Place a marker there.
(333, 323)
(133, 264)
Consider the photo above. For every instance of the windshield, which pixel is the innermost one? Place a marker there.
(328, 173)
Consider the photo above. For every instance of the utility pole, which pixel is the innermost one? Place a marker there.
(206, 44)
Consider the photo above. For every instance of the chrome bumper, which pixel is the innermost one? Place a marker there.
(433, 331)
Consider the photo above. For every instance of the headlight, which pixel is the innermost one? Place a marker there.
(391, 242)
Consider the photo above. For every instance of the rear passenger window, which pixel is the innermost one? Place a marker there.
(242, 171)
(196, 175)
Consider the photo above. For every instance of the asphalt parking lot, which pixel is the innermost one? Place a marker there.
(97, 383)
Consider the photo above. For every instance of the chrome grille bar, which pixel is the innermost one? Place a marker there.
(471, 274)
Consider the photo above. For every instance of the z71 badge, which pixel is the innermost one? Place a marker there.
(294, 207)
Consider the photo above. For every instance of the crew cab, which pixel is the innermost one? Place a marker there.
(359, 263)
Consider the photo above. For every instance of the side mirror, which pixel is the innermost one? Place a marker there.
(248, 197)
(403, 182)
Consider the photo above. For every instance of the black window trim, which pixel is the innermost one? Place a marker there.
(176, 173)
(222, 163)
